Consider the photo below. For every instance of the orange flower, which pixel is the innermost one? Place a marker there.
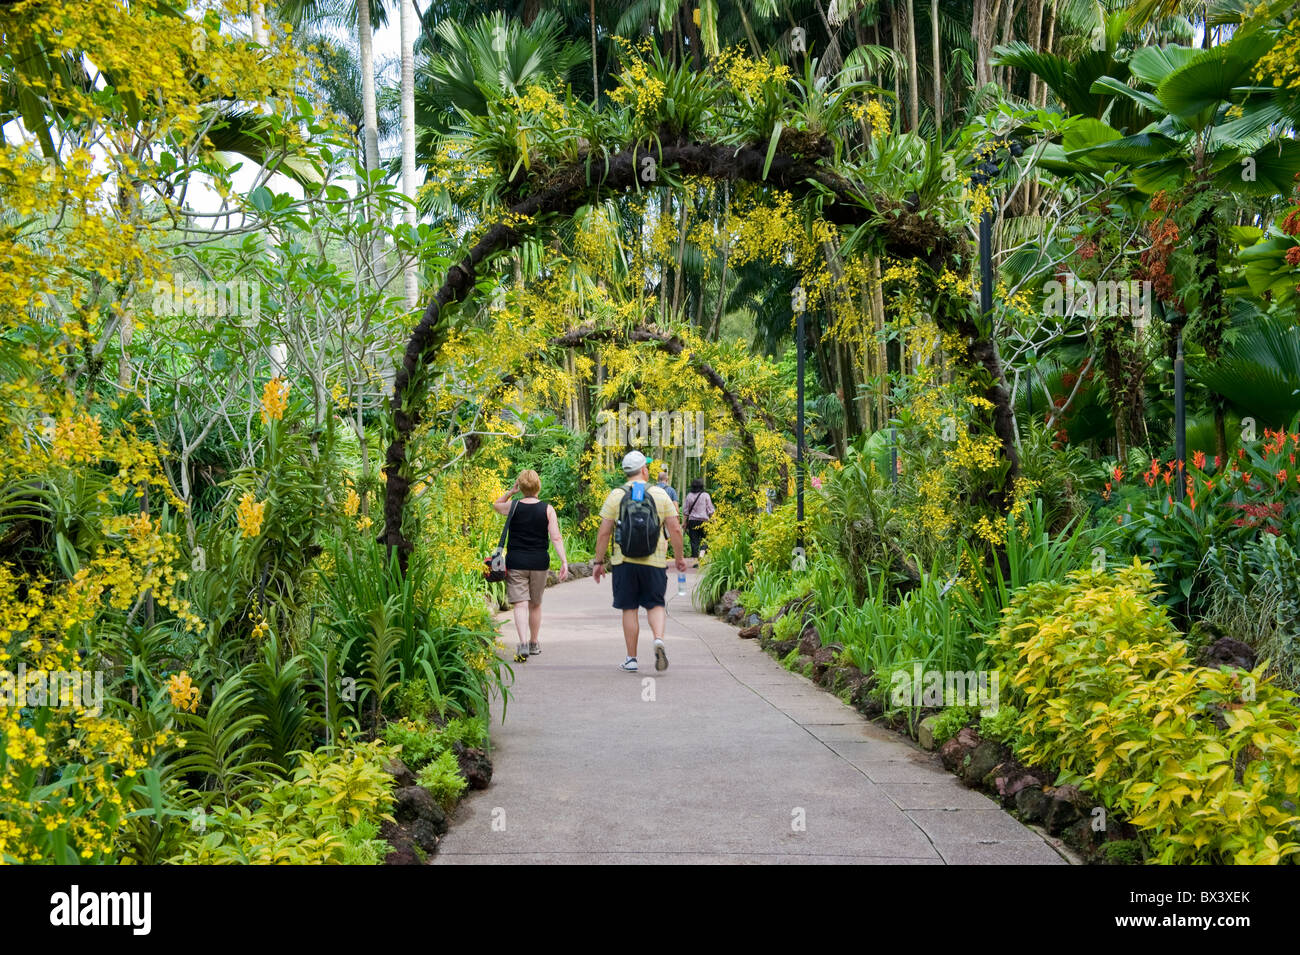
(1198, 460)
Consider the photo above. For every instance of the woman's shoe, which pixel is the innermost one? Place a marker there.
(521, 653)
(534, 649)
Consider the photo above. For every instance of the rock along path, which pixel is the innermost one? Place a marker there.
(723, 758)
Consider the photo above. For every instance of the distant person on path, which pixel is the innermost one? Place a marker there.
(697, 509)
(528, 560)
(668, 488)
(636, 516)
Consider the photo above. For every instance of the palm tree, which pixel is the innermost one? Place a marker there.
(491, 56)
(409, 21)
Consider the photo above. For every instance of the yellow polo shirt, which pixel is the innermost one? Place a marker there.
(663, 503)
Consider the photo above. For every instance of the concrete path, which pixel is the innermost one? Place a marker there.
(724, 757)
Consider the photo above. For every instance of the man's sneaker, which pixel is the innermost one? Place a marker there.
(629, 665)
(521, 653)
(661, 656)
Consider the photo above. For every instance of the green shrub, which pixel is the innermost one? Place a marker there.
(1205, 762)
(442, 778)
(1002, 725)
(948, 723)
(414, 701)
(788, 627)
(419, 743)
(362, 845)
(731, 548)
(1123, 852)
(470, 730)
(304, 820)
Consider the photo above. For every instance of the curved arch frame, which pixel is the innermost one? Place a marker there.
(905, 234)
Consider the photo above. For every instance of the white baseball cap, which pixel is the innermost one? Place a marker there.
(633, 462)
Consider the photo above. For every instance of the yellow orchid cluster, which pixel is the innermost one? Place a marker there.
(250, 514)
(748, 77)
(638, 88)
(275, 400)
(184, 695)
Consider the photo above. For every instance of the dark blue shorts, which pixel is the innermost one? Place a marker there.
(638, 585)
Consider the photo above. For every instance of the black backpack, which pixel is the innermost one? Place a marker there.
(638, 525)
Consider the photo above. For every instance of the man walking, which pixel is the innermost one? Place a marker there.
(668, 488)
(640, 512)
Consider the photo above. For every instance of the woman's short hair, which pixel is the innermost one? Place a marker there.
(529, 483)
(697, 484)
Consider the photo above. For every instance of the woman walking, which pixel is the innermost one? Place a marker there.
(532, 524)
(697, 509)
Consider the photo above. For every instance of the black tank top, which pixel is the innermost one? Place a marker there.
(527, 545)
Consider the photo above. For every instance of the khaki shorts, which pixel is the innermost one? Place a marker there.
(524, 585)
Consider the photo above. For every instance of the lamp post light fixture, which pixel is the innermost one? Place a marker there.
(798, 301)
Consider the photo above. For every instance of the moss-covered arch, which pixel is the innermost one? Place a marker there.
(743, 411)
(902, 232)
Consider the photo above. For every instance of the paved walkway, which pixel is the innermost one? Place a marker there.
(724, 757)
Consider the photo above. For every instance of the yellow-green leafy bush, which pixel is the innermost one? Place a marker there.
(1205, 762)
(325, 814)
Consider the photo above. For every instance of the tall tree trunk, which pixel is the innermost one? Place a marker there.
(692, 34)
(595, 71)
(1006, 36)
(936, 49)
(895, 40)
(258, 16)
(749, 31)
(913, 99)
(409, 29)
(1035, 39)
(370, 116)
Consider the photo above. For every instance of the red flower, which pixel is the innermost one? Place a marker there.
(1118, 472)
(1217, 463)
(1293, 255)
(1198, 460)
(1281, 476)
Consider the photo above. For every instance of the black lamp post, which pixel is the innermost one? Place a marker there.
(798, 420)
(1177, 321)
